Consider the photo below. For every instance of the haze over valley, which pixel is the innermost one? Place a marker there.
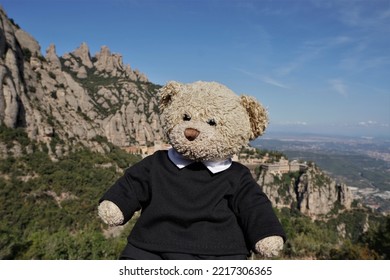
(363, 163)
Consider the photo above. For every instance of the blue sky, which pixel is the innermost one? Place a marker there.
(320, 66)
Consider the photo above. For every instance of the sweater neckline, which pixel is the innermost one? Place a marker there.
(213, 166)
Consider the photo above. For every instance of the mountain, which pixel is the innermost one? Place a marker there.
(310, 191)
(74, 99)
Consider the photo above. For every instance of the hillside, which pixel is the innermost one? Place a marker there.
(48, 208)
(73, 99)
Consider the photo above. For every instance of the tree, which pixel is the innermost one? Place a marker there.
(378, 238)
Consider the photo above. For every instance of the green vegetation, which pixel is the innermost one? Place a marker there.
(273, 156)
(9, 135)
(285, 181)
(48, 209)
(52, 75)
(378, 237)
(32, 89)
(14, 23)
(27, 54)
(307, 239)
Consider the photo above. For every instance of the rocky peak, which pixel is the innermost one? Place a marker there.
(52, 58)
(14, 38)
(311, 191)
(318, 194)
(26, 41)
(74, 99)
(105, 61)
(82, 52)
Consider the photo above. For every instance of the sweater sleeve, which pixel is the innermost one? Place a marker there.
(254, 211)
(131, 190)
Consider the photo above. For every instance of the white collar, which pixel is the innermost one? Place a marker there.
(213, 166)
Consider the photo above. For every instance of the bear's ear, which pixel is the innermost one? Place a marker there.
(166, 94)
(258, 116)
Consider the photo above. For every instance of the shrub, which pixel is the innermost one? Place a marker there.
(27, 54)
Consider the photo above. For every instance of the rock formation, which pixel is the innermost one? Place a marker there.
(312, 192)
(73, 99)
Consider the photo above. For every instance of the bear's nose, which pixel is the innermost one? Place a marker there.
(191, 133)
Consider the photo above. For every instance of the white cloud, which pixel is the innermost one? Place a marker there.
(311, 50)
(293, 123)
(373, 123)
(339, 86)
(367, 123)
(363, 17)
(263, 78)
(272, 82)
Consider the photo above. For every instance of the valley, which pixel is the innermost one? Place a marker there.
(362, 163)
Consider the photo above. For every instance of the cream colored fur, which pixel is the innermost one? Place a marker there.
(238, 119)
(270, 246)
(225, 122)
(110, 213)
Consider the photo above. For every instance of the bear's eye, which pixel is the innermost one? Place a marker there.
(186, 117)
(212, 122)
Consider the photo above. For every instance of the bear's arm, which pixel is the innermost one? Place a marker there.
(131, 190)
(254, 211)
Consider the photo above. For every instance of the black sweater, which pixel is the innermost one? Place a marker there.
(192, 210)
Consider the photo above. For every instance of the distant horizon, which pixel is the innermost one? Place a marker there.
(279, 132)
(318, 66)
(319, 131)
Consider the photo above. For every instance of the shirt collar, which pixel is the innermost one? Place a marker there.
(213, 166)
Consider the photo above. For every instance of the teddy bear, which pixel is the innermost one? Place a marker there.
(195, 201)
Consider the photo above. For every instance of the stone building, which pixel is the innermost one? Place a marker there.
(283, 166)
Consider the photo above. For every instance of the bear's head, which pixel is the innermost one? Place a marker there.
(206, 121)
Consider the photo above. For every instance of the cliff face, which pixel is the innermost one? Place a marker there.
(312, 192)
(73, 99)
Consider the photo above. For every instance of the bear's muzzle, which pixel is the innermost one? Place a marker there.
(191, 133)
